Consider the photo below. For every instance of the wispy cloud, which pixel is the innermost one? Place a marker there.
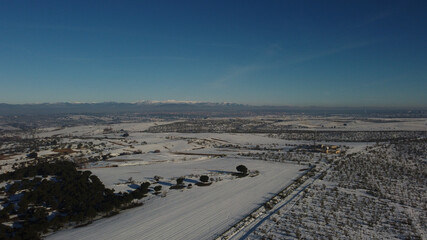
(171, 58)
(377, 83)
(57, 27)
(234, 74)
(375, 18)
(266, 55)
(273, 49)
(328, 52)
(222, 45)
(265, 62)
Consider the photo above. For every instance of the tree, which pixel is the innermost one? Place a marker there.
(158, 188)
(144, 187)
(204, 178)
(179, 180)
(78, 196)
(242, 169)
(157, 178)
(32, 155)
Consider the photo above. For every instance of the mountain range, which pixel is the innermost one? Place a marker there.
(193, 107)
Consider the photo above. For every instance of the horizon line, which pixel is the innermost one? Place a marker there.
(225, 103)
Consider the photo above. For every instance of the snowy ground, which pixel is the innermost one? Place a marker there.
(375, 195)
(197, 213)
(351, 124)
(206, 212)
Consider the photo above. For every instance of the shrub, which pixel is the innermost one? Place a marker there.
(158, 188)
(32, 155)
(179, 180)
(157, 178)
(204, 178)
(242, 168)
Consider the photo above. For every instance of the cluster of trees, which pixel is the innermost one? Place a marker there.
(47, 195)
(348, 136)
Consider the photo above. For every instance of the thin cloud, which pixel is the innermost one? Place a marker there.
(234, 74)
(54, 27)
(273, 49)
(172, 58)
(331, 51)
(240, 71)
(375, 18)
(226, 45)
(266, 55)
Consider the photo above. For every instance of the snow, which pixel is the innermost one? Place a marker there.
(204, 212)
(197, 213)
(352, 124)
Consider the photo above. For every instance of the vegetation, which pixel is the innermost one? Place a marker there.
(179, 183)
(204, 179)
(157, 178)
(243, 170)
(380, 191)
(45, 196)
(32, 155)
(158, 188)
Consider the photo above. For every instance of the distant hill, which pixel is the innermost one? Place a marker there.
(115, 107)
(191, 108)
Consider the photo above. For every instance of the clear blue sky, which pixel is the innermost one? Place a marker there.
(323, 53)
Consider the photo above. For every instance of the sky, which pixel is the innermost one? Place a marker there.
(295, 53)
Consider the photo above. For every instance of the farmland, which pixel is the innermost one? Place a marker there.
(284, 173)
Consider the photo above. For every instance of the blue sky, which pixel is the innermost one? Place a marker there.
(300, 53)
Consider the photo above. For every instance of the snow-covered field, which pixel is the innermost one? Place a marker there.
(376, 194)
(196, 213)
(351, 124)
(123, 162)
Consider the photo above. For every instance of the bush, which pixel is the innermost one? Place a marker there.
(157, 178)
(158, 188)
(204, 178)
(242, 168)
(32, 155)
(180, 180)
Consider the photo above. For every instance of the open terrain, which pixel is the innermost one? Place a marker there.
(294, 180)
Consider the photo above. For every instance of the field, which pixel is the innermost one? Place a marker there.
(196, 213)
(289, 177)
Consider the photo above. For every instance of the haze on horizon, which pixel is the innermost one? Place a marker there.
(301, 53)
